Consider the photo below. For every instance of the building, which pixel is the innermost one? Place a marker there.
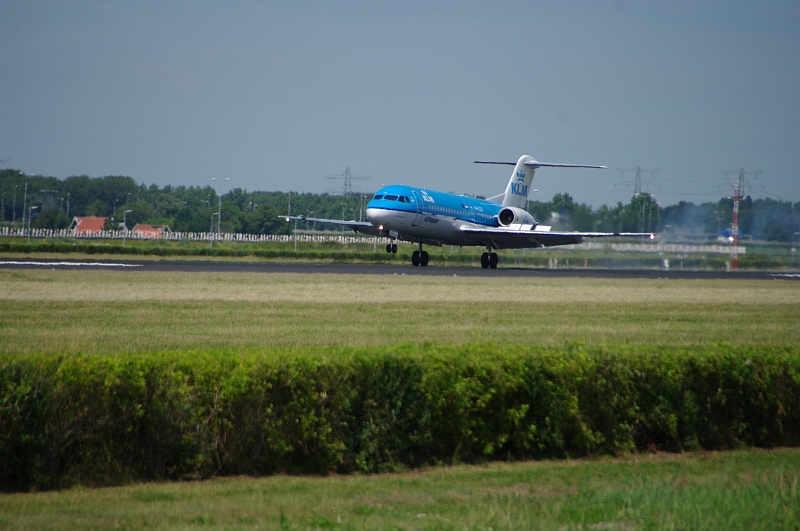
(87, 224)
(150, 231)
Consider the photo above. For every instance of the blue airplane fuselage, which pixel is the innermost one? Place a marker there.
(429, 215)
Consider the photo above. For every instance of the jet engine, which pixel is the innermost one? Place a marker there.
(513, 215)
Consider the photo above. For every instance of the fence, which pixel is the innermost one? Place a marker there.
(659, 247)
(191, 236)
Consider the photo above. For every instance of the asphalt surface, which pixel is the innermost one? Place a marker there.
(369, 269)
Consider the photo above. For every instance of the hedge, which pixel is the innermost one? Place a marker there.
(99, 420)
(535, 259)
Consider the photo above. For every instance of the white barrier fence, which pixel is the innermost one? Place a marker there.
(191, 236)
(659, 247)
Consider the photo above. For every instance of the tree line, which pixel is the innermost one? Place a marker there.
(195, 209)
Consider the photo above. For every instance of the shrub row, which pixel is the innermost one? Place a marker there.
(59, 247)
(112, 419)
(536, 259)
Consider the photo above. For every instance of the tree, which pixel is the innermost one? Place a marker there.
(96, 208)
(266, 220)
(183, 220)
(141, 212)
(52, 218)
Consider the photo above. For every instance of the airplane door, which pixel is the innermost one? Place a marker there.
(417, 200)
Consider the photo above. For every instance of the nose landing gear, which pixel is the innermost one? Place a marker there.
(391, 248)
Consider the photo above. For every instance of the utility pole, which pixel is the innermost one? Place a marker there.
(219, 217)
(647, 200)
(24, 204)
(125, 226)
(30, 215)
(738, 192)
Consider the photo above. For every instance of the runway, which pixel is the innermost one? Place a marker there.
(393, 269)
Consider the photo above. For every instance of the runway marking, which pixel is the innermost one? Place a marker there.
(78, 264)
(786, 275)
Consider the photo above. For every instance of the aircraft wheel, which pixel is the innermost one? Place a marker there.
(415, 261)
(493, 260)
(394, 248)
(388, 247)
(423, 258)
(485, 260)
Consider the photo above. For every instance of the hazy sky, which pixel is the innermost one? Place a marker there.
(276, 95)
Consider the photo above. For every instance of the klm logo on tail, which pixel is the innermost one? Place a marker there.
(519, 189)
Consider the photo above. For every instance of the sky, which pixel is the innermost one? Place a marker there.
(277, 95)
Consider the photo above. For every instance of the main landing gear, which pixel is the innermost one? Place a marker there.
(489, 259)
(419, 258)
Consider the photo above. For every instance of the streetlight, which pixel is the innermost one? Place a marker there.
(125, 225)
(30, 214)
(211, 245)
(219, 219)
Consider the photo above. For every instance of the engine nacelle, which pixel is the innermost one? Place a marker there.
(513, 215)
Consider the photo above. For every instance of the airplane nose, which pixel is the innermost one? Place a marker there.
(375, 216)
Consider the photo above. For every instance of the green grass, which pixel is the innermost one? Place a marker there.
(733, 490)
(108, 312)
(131, 311)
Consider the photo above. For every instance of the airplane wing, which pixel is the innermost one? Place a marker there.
(364, 227)
(519, 236)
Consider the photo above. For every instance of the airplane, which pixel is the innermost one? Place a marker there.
(429, 217)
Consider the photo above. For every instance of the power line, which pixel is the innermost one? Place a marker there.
(637, 182)
(347, 177)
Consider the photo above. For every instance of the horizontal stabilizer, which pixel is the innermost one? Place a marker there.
(537, 164)
(496, 199)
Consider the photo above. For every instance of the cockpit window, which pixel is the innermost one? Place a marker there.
(403, 199)
(390, 197)
(377, 197)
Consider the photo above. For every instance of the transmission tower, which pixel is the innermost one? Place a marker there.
(348, 178)
(637, 182)
(738, 192)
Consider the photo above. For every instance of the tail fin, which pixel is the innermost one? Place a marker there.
(516, 194)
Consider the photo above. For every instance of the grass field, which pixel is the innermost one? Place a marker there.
(129, 311)
(108, 312)
(734, 490)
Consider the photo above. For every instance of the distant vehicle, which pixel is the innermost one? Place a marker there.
(429, 217)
